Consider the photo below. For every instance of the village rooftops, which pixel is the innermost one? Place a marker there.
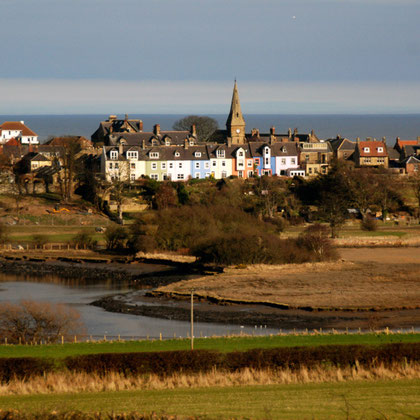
(17, 126)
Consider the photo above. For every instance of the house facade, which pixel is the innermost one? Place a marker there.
(19, 131)
(372, 154)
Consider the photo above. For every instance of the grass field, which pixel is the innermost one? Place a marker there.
(377, 399)
(221, 344)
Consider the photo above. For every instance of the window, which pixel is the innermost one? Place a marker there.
(257, 161)
(266, 151)
(167, 142)
(220, 153)
(110, 165)
(114, 154)
(154, 155)
(241, 153)
(177, 154)
(191, 142)
(249, 163)
(197, 175)
(197, 165)
(240, 164)
(367, 160)
(283, 161)
(132, 177)
(155, 177)
(380, 149)
(207, 165)
(224, 174)
(132, 155)
(214, 163)
(171, 165)
(154, 165)
(223, 163)
(267, 161)
(250, 174)
(366, 149)
(307, 158)
(207, 174)
(293, 161)
(163, 165)
(180, 176)
(240, 174)
(180, 165)
(132, 165)
(381, 160)
(197, 154)
(116, 165)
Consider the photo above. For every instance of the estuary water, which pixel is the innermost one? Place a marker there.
(99, 322)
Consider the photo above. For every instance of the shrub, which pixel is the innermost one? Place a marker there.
(84, 240)
(369, 224)
(116, 237)
(316, 241)
(40, 240)
(31, 321)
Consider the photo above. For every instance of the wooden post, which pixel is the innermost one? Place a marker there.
(160, 336)
(62, 339)
(192, 319)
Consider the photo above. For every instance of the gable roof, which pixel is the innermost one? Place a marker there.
(17, 126)
(372, 148)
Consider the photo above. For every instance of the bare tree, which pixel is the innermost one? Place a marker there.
(31, 321)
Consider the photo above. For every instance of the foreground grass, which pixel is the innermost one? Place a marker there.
(378, 399)
(224, 344)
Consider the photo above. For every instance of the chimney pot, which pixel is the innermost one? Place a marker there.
(272, 130)
(194, 130)
(156, 129)
(140, 125)
(289, 132)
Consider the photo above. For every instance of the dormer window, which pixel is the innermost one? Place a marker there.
(240, 153)
(366, 149)
(220, 153)
(380, 149)
(132, 155)
(155, 143)
(283, 149)
(197, 154)
(167, 142)
(154, 155)
(113, 155)
(191, 142)
(177, 154)
(266, 151)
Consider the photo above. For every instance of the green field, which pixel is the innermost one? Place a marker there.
(221, 344)
(367, 400)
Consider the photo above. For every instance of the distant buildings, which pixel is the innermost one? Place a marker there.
(17, 131)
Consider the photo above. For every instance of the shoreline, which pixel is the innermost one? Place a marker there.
(146, 275)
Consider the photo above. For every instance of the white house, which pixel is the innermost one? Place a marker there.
(19, 131)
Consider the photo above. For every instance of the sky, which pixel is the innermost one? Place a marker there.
(182, 56)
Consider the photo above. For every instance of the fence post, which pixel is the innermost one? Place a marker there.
(62, 339)
(5, 340)
(160, 336)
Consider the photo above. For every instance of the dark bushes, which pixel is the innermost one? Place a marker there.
(170, 362)
(23, 367)
(166, 363)
(369, 224)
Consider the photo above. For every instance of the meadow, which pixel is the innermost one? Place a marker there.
(223, 344)
(357, 399)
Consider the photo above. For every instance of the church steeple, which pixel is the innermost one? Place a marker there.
(235, 123)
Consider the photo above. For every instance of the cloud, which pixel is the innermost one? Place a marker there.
(26, 96)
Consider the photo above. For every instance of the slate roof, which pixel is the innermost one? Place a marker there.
(393, 154)
(150, 139)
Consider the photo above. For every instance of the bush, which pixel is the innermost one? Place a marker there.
(369, 224)
(316, 241)
(31, 321)
(40, 240)
(116, 237)
(23, 367)
(4, 233)
(84, 240)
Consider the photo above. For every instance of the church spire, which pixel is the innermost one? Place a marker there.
(235, 123)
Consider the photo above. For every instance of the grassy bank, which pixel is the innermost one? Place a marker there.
(221, 344)
(379, 399)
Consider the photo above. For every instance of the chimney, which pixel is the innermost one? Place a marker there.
(156, 129)
(143, 144)
(194, 130)
(273, 130)
(126, 118)
(22, 122)
(289, 133)
(253, 132)
(418, 140)
(357, 140)
(295, 131)
(140, 125)
(257, 132)
(384, 139)
(229, 141)
(120, 148)
(185, 143)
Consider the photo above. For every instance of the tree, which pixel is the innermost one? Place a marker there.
(205, 126)
(414, 181)
(116, 237)
(31, 321)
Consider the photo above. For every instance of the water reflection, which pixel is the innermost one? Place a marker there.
(78, 293)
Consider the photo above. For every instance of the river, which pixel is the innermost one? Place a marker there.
(97, 321)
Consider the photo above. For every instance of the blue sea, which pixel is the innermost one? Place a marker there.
(405, 126)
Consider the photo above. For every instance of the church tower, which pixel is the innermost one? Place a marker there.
(235, 123)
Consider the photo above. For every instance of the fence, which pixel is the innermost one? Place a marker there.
(95, 338)
(47, 247)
